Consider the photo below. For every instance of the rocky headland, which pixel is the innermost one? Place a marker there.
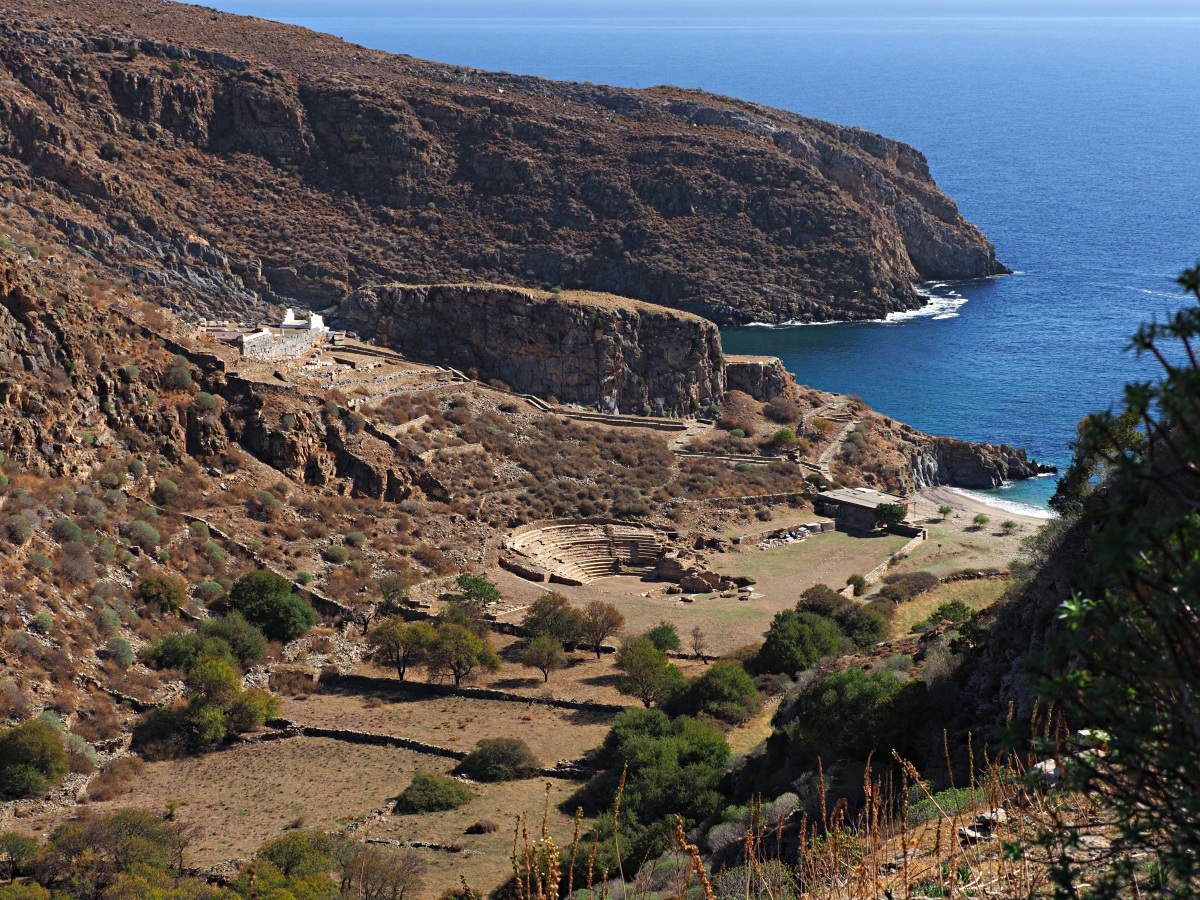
(224, 164)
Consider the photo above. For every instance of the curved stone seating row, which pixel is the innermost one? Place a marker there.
(587, 551)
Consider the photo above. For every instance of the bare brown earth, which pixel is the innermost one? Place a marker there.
(370, 167)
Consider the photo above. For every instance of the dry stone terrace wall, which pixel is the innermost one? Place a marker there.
(621, 356)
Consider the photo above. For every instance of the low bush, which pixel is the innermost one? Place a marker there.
(32, 759)
(165, 490)
(245, 641)
(725, 691)
(65, 531)
(429, 792)
(356, 539)
(499, 759)
(19, 530)
(119, 651)
(42, 623)
(336, 554)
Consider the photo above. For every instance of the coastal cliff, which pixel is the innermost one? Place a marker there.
(616, 354)
(224, 163)
(953, 462)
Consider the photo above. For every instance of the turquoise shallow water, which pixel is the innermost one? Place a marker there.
(1070, 141)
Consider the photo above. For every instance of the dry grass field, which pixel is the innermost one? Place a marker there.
(485, 860)
(239, 798)
(457, 723)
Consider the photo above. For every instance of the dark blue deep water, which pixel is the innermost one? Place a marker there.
(1073, 143)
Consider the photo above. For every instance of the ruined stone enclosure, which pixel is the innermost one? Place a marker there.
(579, 552)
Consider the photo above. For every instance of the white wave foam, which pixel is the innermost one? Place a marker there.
(1009, 506)
(941, 304)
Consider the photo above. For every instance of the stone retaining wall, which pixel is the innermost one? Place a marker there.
(366, 683)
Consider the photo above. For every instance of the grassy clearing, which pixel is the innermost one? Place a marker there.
(975, 594)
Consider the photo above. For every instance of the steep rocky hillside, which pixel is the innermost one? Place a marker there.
(220, 162)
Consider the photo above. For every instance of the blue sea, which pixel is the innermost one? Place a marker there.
(1073, 142)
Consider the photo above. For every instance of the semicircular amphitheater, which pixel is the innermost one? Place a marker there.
(580, 551)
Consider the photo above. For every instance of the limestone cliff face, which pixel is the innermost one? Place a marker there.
(762, 377)
(224, 163)
(616, 354)
(949, 461)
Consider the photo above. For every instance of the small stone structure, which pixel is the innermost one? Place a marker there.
(854, 508)
(290, 338)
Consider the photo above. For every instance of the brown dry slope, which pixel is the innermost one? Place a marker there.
(228, 160)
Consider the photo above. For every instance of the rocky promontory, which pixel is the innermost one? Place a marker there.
(950, 461)
(224, 163)
(612, 353)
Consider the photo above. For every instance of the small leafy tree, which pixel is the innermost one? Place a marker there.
(394, 589)
(477, 589)
(552, 614)
(600, 622)
(944, 510)
(164, 593)
(457, 652)
(400, 645)
(544, 653)
(980, 520)
(887, 514)
(858, 583)
(647, 673)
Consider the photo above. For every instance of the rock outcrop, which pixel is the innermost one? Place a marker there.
(615, 354)
(762, 377)
(224, 163)
(949, 461)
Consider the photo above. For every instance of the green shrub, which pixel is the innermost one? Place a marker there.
(246, 641)
(356, 539)
(119, 651)
(32, 759)
(304, 577)
(53, 719)
(206, 401)
(64, 531)
(499, 759)
(725, 691)
(198, 530)
(42, 623)
(858, 583)
(267, 601)
(136, 468)
(252, 709)
(144, 535)
(111, 480)
(19, 530)
(336, 554)
(647, 674)
(181, 650)
(432, 793)
(40, 561)
(165, 490)
(795, 641)
(553, 615)
(663, 636)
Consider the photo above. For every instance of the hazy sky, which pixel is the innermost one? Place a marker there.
(297, 9)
